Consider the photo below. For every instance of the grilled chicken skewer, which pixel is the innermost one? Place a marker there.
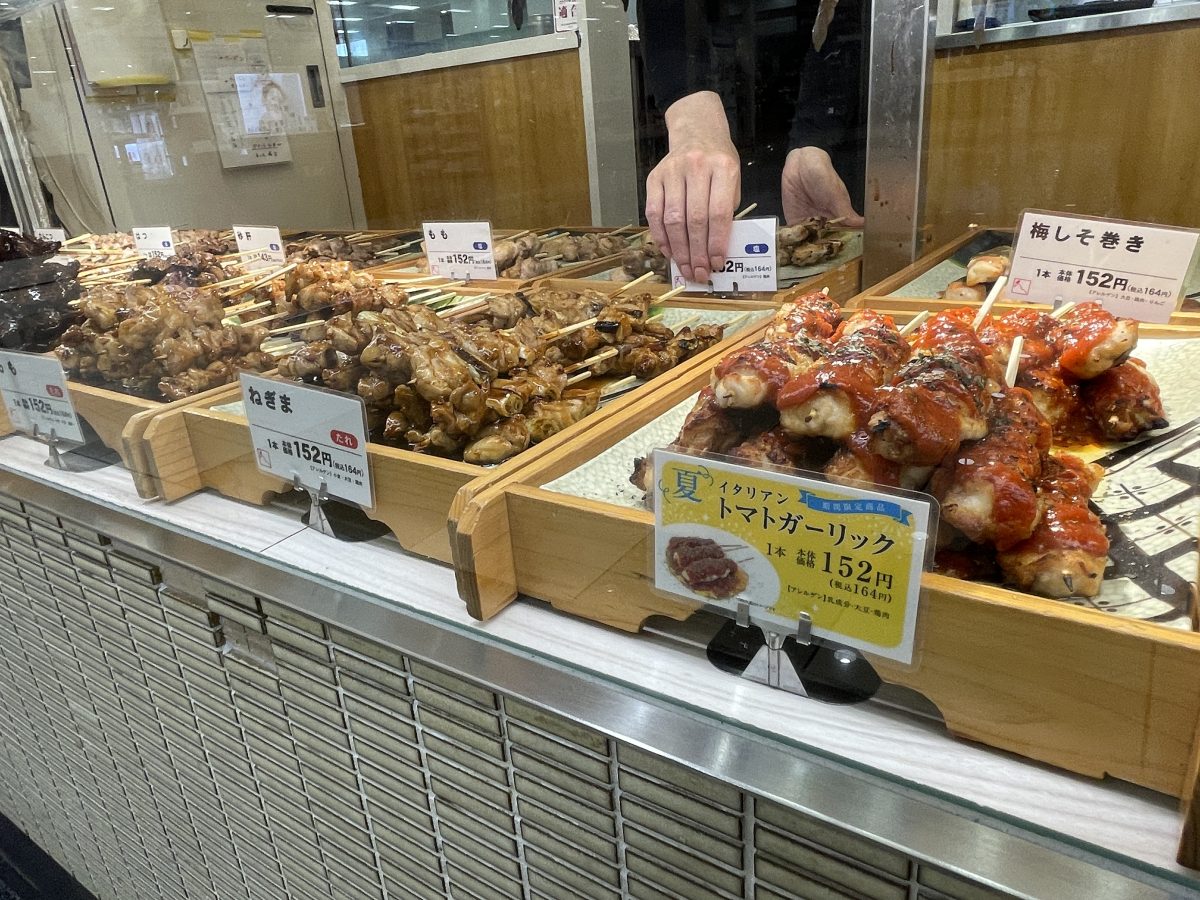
(1067, 552)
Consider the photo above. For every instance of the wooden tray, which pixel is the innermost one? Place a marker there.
(403, 267)
(197, 447)
(1084, 690)
(844, 281)
(120, 421)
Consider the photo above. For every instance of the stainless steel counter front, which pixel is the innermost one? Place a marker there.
(866, 800)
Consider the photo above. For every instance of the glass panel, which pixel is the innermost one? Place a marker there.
(375, 32)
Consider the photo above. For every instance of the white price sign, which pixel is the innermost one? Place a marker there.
(460, 249)
(750, 263)
(566, 15)
(50, 234)
(155, 242)
(36, 396)
(261, 248)
(316, 434)
(1132, 268)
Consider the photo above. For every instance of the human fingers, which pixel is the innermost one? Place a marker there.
(675, 220)
(723, 196)
(699, 185)
(655, 200)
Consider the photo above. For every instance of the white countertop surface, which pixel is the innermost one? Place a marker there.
(1117, 818)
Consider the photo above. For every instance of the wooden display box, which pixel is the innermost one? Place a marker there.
(843, 282)
(882, 296)
(199, 446)
(120, 421)
(405, 267)
(1081, 689)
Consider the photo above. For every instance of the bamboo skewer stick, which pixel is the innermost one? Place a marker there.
(620, 386)
(569, 329)
(674, 292)
(1014, 360)
(992, 297)
(1063, 310)
(915, 323)
(735, 322)
(239, 308)
(627, 285)
(266, 279)
(592, 360)
(463, 308)
(684, 323)
(745, 212)
(582, 376)
(519, 234)
(298, 326)
(75, 240)
(234, 280)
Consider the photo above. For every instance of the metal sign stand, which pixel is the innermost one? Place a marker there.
(54, 460)
(771, 665)
(317, 520)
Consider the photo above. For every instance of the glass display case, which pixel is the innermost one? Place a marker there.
(338, 341)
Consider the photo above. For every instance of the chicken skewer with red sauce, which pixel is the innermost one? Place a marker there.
(1068, 550)
(987, 489)
(1123, 402)
(795, 340)
(939, 398)
(833, 398)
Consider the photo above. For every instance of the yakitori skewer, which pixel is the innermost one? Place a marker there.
(745, 212)
(266, 279)
(1063, 310)
(627, 285)
(1014, 360)
(916, 322)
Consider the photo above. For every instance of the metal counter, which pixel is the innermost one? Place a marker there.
(205, 700)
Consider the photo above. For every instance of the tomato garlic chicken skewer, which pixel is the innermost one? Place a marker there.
(1068, 550)
(833, 398)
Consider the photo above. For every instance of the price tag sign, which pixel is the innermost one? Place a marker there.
(50, 234)
(784, 544)
(317, 434)
(460, 249)
(566, 15)
(155, 242)
(750, 263)
(36, 396)
(261, 248)
(1132, 268)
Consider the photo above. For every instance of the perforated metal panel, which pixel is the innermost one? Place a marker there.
(165, 745)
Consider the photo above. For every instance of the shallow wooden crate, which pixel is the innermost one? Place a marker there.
(1081, 689)
(199, 446)
(842, 279)
(120, 421)
(404, 268)
(883, 296)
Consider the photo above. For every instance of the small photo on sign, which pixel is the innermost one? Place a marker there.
(715, 565)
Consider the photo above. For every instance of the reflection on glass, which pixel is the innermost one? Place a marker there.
(375, 32)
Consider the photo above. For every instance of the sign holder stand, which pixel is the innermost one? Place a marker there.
(770, 665)
(54, 460)
(317, 520)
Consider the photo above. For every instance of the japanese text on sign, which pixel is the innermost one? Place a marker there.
(260, 248)
(1133, 269)
(750, 263)
(318, 435)
(154, 243)
(36, 396)
(460, 249)
(57, 235)
(566, 15)
(786, 545)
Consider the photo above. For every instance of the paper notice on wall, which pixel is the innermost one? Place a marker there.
(273, 103)
(220, 63)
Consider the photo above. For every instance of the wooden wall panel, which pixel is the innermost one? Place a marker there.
(500, 140)
(1106, 124)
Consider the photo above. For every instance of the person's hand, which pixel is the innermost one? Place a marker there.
(811, 187)
(692, 192)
